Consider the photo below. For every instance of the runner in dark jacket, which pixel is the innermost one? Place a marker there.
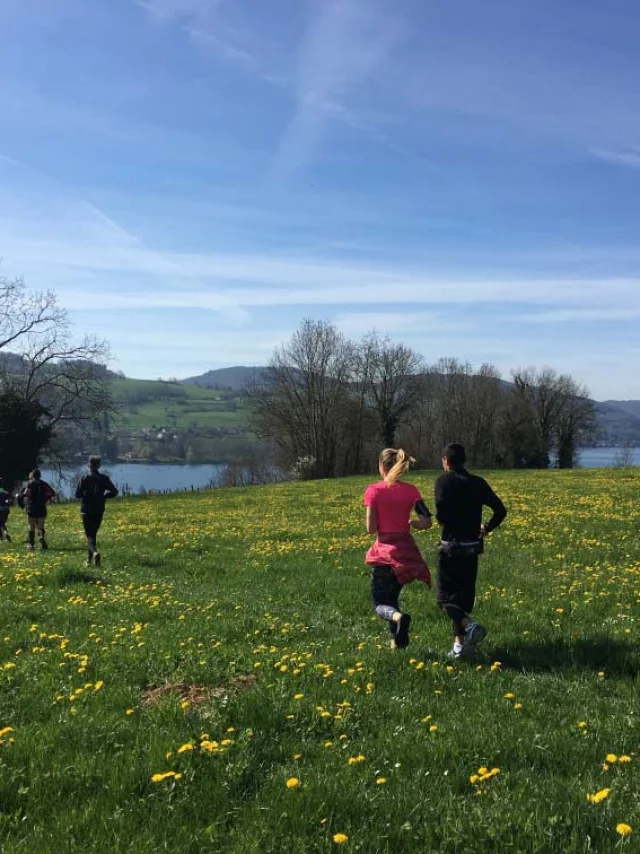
(460, 498)
(34, 498)
(5, 509)
(93, 491)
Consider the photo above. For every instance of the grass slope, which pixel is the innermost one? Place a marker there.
(256, 601)
(143, 403)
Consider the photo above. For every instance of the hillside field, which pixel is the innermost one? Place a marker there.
(221, 684)
(146, 403)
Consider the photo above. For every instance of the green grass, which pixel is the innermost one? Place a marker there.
(253, 597)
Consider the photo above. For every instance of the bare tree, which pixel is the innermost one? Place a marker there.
(577, 422)
(301, 402)
(394, 383)
(65, 382)
(556, 416)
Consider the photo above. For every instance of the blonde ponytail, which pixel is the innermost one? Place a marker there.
(396, 462)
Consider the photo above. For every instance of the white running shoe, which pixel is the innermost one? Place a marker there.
(457, 651)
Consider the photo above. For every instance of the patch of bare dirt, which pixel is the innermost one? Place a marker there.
(197, 694)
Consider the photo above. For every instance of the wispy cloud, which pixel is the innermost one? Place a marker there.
(620, 158)
(166, 9)
(99, 243)
(346, 41)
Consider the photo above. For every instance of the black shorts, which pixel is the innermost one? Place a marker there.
(456, 584)
(385, 587)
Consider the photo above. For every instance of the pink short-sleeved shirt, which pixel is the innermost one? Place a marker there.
(393, 504)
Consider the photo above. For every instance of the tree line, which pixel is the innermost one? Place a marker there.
(328, 404)
(53, 387)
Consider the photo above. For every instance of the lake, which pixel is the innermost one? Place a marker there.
(134, 477)
(137, 477)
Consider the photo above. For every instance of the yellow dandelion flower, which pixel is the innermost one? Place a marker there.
(298, 696)
(623, 829)
(433, 728)
(597, 797)
(185, 748)
(293, 783)
(517, 705)
(611, 757)
(130, 711)
(380, 781)
(624, 758)
(340, 838)
(509, 696)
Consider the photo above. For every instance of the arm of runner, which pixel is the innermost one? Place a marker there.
(110, 489)
(79, 488)
(372, 520)
(424, 520)
(499, 511)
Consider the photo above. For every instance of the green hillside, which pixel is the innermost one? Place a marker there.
(157, 403)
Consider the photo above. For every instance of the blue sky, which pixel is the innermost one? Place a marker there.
(195, 177)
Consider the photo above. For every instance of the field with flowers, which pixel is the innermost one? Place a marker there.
(220, 683)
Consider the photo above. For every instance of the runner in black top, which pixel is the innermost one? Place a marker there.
(93, 490)
(5, 509)
(460, 498)
(34, 498)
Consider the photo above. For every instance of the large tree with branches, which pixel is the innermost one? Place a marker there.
(49, 382)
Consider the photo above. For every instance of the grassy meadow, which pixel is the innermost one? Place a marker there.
(220, 683)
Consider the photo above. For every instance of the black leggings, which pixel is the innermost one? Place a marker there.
(91, 523)
(385, 592)
(456, 587)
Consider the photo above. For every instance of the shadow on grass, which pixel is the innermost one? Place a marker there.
(147, 560)
(79, 576)
(599, 653)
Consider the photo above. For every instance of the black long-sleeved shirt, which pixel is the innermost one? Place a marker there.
(460, 497)
(93, 490)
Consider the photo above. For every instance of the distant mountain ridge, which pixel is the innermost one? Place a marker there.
(235, 378)
(619, 419)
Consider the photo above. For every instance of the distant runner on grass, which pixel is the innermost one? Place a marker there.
(5, 509)
(460, 498)
(394, 558)
(93, 490)
(34, 498)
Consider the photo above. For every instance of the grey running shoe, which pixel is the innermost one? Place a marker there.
(474, 635)
(96, 558)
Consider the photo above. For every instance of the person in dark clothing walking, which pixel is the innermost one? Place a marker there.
(5, 509)
(34, 498)
(93, 490)
(460, 498)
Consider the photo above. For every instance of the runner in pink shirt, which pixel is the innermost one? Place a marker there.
(394, 558)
